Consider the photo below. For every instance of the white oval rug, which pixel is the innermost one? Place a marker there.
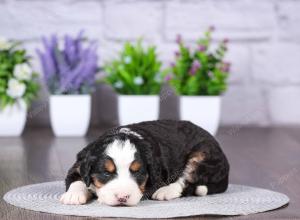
(237, 200)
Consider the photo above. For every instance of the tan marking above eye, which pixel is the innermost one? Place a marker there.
(135, 166)
(110, 166)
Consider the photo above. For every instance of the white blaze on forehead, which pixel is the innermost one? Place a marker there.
(122, 154)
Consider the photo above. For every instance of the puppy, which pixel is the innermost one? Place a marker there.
(162, 160)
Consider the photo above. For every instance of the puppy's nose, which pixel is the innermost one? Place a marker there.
(122, 198)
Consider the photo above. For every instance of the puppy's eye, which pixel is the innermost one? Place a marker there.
(106, 173)
(135, 166)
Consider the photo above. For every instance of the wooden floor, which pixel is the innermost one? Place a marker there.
(262, 157)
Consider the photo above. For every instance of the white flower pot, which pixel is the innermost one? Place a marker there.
(13, 119)
(203, 111)
(137, 108)
(70, 114)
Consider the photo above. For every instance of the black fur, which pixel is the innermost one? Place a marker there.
(164, 151)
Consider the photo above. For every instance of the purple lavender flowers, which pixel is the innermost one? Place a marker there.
(71, 69)
(195, 66)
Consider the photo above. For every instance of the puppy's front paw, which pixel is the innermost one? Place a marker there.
(169, 192)
(74, 197)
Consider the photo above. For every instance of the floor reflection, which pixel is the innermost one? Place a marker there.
(38, 157)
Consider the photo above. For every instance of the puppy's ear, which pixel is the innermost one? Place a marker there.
(85, 168)
(151, 161)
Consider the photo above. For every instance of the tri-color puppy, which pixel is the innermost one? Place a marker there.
(161, 160)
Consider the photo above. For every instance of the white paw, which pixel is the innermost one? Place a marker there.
(77, 194)
(169, 192)
(74, 198)
(201, 190)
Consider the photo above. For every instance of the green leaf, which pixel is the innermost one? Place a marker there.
(209, 79)
(135, 61)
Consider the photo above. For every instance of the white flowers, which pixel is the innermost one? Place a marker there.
(15, 88)
(127, 59)
(4, 44)
(138, 80)
(23, 71)
(118, 85)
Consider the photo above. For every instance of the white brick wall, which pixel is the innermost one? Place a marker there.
(284, 105)
(240, 70)
(237, 19)
(264, 42)
(132, 19)
(277, 63)
(27, 20)
(245, 105)
(289, 19)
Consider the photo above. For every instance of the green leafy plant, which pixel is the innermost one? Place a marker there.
(137, 71)
(201, 71)
(17, 79)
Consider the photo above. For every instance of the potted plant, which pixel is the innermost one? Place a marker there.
(199, 76)
(136, 76)
(69, 73)
(18, 87)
